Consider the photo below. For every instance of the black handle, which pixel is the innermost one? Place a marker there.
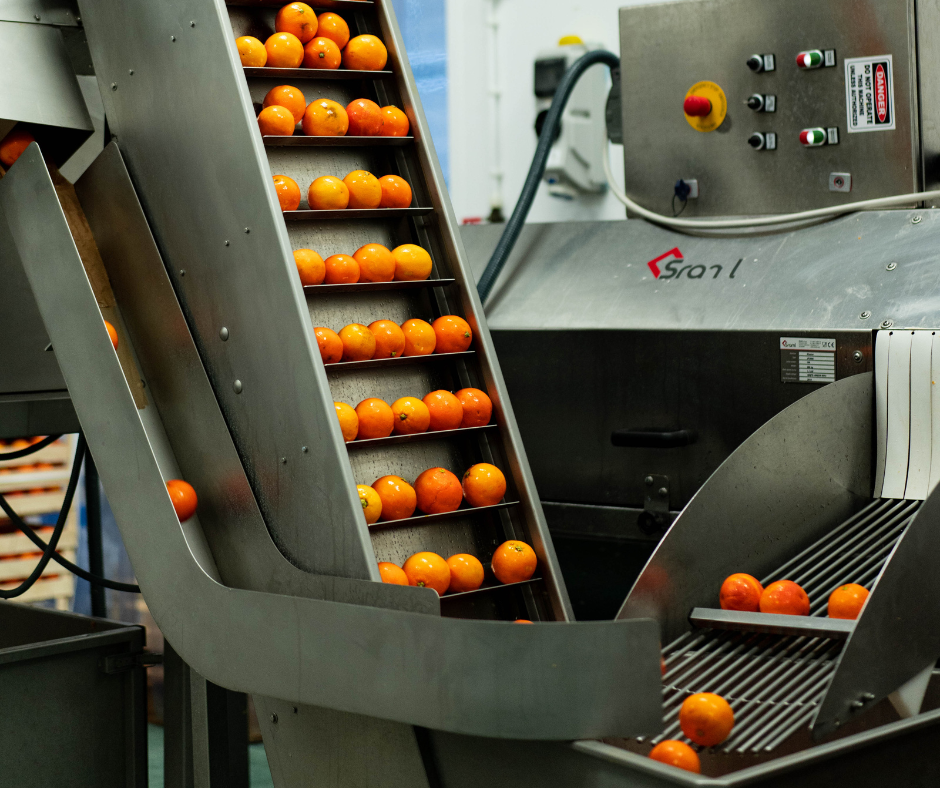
(653, 439)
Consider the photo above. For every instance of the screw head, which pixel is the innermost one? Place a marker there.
(182, 272)
(916, 219)
(857, 357)
(274, 718)
(887, 323)
(172, 38)
(648, 480)
(37, 17)
(228, 243)
(192, 24)
(114, 86)
(283, 460)
(223, 333)
(237, 386)
(891, 266)
(663, 492)
(130, 71)
(864, 315)
(304, 449)
(247, 230)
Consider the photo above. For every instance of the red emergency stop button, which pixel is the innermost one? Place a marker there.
(697, 106)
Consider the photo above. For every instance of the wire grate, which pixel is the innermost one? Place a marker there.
(774, 683)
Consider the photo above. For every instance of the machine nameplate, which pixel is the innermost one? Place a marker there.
(869, 93)
(807, 360)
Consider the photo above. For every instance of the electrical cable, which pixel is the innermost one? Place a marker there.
(38, 446)
(537, 169)
(50, 547)
(762, 221)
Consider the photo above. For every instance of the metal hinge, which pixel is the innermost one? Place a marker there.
(120, 663)
(655, 516)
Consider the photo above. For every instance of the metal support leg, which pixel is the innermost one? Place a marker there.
(177, 721)
(93, 523)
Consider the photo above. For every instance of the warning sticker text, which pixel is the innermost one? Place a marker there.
(869, 93)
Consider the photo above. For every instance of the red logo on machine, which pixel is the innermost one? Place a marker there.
(881, 93)
(673, 255)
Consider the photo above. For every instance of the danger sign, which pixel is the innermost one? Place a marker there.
(869, 93)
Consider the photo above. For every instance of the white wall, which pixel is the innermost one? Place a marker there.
(524, 27)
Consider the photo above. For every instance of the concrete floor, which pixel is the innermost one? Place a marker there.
(259, 773)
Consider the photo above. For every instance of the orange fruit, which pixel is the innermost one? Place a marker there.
(445, 409)
(358, 342)
(251, 51)
(288, 192)
(847, 601)
(325, 118)
(365, 53)
(333, 27)
(297, 18)
(184, 498)
(376, 263)
(112, 333)
(327, 193)
(284, 51)
(364, 189)
(365, 118)
(398, 500)
(13, 145)
(662, 666)
(522, 621)
(706, 718)
(276, 121)
(419, 337)
(322, 53)
(514, 562)
(741, 592)
(411, 415)
(396, 122)
(477, 407)
(483, 484)
(438, 491)
(428, 570)
(678, 754)
(348, 421)
(310, 266)
(290, 98)
(466, 572)
(453, 334)
(372, 509)
(412, 263)
(331, 346)
(389, 339)
(341, 269)
(392, 573)
(376, 420)
(784, 597)
(396, 193)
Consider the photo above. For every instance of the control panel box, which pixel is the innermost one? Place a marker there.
(770, 106)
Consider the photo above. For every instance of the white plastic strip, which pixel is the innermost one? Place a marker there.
(918, 466)
(882, 346)
(935, 412)
(899, 415)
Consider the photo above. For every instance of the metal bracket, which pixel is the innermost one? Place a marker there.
(121, 663)
(655, 516)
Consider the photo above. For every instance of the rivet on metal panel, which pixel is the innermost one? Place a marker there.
(891, 266)
(648, 480)
(663, 492)
(857, 357)
(867, 696)
(182, 272)
(192, 24)
(887, 323)
(114, 86)
(172, 38)
(247, 229)
(916, 219)
(274, 718)
(228, 243)
(865, 315)
(857, 704)
(283, 460)
(237, 386)
(37, 17)
(130, 71)
(223, 333)
(304, 449)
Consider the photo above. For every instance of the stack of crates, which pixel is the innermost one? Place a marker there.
(35, 487)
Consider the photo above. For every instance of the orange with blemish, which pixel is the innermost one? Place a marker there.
(298, 19)
(445, 409)
(358, 342)
(477, 407)
(740, 591)
(331, 346)
(419, 337)
(389, 339)
(438, 491)
(325, 118)
(398, 500)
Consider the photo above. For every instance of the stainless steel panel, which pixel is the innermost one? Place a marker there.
(205, 186)
(806, 468)
(896, 636)
(810, 626)
(40, 87)
(581, 680)
(928, 64)
(45, 12)
(44, 413)
(240, 542)
(595, 275)
(715, 39)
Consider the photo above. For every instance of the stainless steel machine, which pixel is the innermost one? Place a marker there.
(776, 388)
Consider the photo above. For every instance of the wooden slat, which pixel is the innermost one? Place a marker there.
(58, 452)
